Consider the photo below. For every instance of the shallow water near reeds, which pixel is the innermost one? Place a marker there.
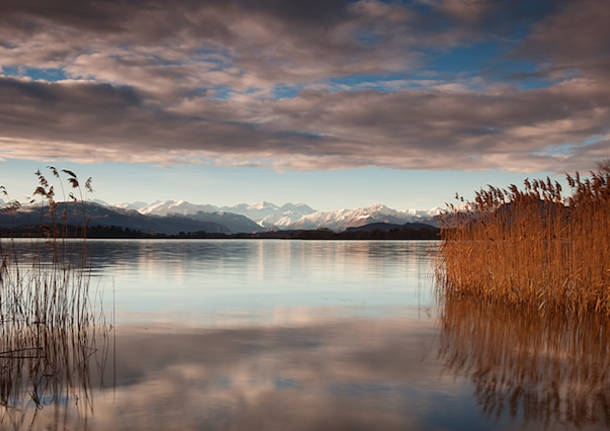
(308, 335)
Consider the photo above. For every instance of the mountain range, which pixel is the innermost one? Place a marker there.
(290, 216)
(345, 218)
(265, 214)
(174, 216)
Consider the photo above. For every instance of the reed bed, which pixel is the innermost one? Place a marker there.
(51, 323)
(532, 246)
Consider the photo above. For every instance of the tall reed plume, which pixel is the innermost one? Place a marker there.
(532, 246)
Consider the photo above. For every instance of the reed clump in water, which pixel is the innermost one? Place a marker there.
(50, 325)
(48, 284)
(532, 246)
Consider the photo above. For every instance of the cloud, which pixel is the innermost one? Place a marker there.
(573, 40)
(409, 128)
(195, 83)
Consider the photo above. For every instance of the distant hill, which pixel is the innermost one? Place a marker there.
(100, 215)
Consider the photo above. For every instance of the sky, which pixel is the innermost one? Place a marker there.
(329, 102)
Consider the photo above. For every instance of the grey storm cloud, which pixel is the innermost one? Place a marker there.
(196, 82)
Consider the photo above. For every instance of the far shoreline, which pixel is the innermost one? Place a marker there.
(386, 233)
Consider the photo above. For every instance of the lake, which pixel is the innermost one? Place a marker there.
(308, 335)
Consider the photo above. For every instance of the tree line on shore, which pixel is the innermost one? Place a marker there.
(109, 232)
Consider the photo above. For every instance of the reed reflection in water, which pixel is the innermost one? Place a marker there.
(53, 336)
(50, 367)
(549, 369)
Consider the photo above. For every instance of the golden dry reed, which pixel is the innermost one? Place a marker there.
(532, 246)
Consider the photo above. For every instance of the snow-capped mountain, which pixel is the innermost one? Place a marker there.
(344, 218)
(174, 216)
(256, 211)
(289, 215)
(163, 208)
(266, 214)
(131, 205)
(203, 212)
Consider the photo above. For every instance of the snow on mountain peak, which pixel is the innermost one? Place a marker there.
(344, 218)
(137, 205)
(181, 207)
(263, 205)
(265, 213)
(290, 215)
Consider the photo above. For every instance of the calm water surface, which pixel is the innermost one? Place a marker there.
(308, 335)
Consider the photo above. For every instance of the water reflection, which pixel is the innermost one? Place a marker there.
(305, 336)
(50, 369)
(548, 369)
(334, 374)
(310, 377)
(206, 281)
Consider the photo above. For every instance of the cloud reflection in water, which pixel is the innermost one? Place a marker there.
(383, 373)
